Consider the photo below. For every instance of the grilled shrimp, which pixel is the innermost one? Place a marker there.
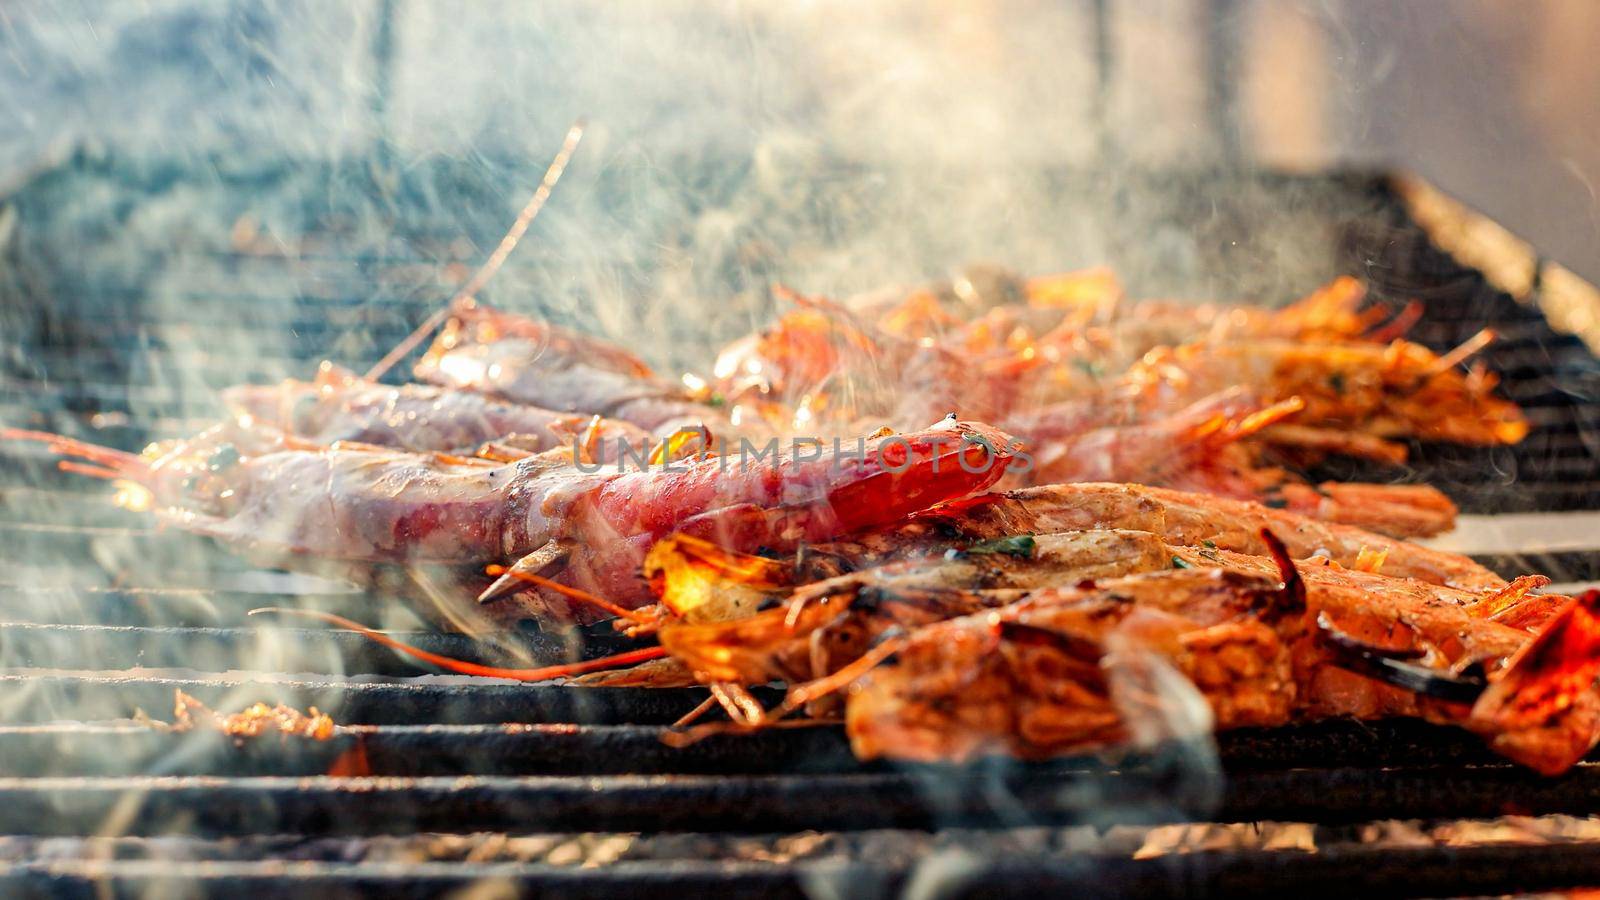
(340, 406)
(1396, 510)
(1006, 520)
(1331, 312)
(1097, 335)
(802, 633)
(772, 633)
(522, 360)
(1040, 341)
(1076, 446)
(584, 526)
(819, 370)
(1398, 390)
(1518, 604)
(1043, 676)
(733, 618)
(1049, 306)
(1204, 448)
(1189, 518)
(820, 363)
(1201, 447)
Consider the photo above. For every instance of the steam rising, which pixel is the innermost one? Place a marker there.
(836, 147)
(309, 180)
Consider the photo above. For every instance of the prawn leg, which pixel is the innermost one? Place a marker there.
(534, 564)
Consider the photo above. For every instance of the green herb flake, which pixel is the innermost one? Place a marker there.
(1019, 545)
(1209, 544)
(1179, 562)
(1276, 503)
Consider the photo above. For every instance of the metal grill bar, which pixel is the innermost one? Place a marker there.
(207, 805)
(1333, 873)
(561, 748)
(285, 650)
(650, 803)
(114, 696)
(420, 750)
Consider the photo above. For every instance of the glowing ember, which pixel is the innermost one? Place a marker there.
(254, 721)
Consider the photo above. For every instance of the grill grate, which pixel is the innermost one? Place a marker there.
(569, 790)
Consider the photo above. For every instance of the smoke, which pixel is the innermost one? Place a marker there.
(251, 188)
(833, 146)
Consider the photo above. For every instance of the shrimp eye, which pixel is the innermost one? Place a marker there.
(224, 457)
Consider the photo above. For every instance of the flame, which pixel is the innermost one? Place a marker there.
(352, 763)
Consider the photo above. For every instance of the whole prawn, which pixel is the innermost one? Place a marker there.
(528, 361)
(340, 406)
(1205, 447)
(1181, 518)
(1017, 344)
(788, 629)
(1197, 519)
(1039, 677)
(584, 526)
(1385, 391)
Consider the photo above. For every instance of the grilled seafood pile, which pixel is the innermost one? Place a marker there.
(1017, 646)
(1103, 389)
(1109, 489)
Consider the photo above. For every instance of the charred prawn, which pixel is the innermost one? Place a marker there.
(584, 527)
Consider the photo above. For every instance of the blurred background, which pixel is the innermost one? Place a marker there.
(1496, 102)
(269, 181)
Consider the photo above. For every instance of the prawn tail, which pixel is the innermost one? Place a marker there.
(1543, 710)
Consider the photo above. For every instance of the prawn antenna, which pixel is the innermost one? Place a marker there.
(461, 666)
(511, 572)
(107, 462)
(492, 265)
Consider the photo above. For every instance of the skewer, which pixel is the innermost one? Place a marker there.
(495, 260)
(1461, 354)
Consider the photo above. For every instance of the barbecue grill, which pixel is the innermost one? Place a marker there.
(437, 782)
